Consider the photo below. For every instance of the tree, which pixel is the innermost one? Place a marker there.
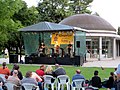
(27, 16)
(53, 10)
(80, 6)
(57, 10)
(7, 24)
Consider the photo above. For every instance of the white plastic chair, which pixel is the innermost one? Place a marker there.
(92, 88)
(63, 80)
(3, 77)
(29, 86)
(78, 83)
(11, 86)
(49, 80)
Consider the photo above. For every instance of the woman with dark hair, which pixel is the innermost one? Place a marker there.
(96, 80)
(4, 69)
(16, 67)
(110, 81)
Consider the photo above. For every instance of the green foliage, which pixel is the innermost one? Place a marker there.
(53, 10)
(27, 16)
(80, 6)
(57, 10)
(7, 24)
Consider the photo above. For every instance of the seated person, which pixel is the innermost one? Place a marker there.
(96, 80)
(41, 71)
(38, 79)
(69, 49)
(110, 81)
(16, 67)
(78, 75)
(4, 69)
(28, 79)
(41, 49)
(58, 71)
(14, 79)
(49, 70)
(56, 49)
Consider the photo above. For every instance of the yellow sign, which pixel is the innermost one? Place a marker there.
(62, 37)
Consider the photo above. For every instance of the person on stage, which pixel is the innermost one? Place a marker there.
(69, 47)
(41, 49)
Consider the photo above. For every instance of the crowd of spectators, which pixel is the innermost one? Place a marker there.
(15, 76)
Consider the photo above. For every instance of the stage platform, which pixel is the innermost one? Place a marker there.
(51, 60)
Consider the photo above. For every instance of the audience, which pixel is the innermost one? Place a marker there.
(49, 70)
(4, 69)
(36, 77)
(78, 75)
(96, 80)
(16, 67)
(58, 71)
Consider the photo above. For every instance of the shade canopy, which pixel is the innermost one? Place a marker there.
(46, 26)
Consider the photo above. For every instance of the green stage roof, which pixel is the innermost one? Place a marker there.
(46, 26)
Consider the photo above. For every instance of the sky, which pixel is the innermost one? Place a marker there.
(107, 9)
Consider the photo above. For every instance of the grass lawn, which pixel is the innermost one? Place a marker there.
(70, 70)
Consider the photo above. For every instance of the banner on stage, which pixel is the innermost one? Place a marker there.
(62, 37)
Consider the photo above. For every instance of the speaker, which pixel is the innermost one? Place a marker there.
(13, 58)
(78, 44)
(77, 60)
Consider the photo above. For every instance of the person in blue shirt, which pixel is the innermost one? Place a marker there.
(78, 75)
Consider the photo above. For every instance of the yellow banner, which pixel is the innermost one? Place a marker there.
(62, 38)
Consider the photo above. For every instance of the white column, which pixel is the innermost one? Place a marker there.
(114, 48)
(100, 48)
(118, 48)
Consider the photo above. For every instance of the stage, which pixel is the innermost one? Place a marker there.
(51, 60)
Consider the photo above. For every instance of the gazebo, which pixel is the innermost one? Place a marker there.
(102, 40)
(46, 32)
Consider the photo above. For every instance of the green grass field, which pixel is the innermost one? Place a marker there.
(70, 70)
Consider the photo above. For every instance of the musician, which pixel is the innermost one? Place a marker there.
(41, 49)
(69, 47)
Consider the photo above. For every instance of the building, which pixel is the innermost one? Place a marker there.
(102, 41)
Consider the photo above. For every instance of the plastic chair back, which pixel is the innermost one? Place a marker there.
(3, 77)
(10, 86)
(29, 86)
(49, 80)
(63, 80)
(78, 83)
